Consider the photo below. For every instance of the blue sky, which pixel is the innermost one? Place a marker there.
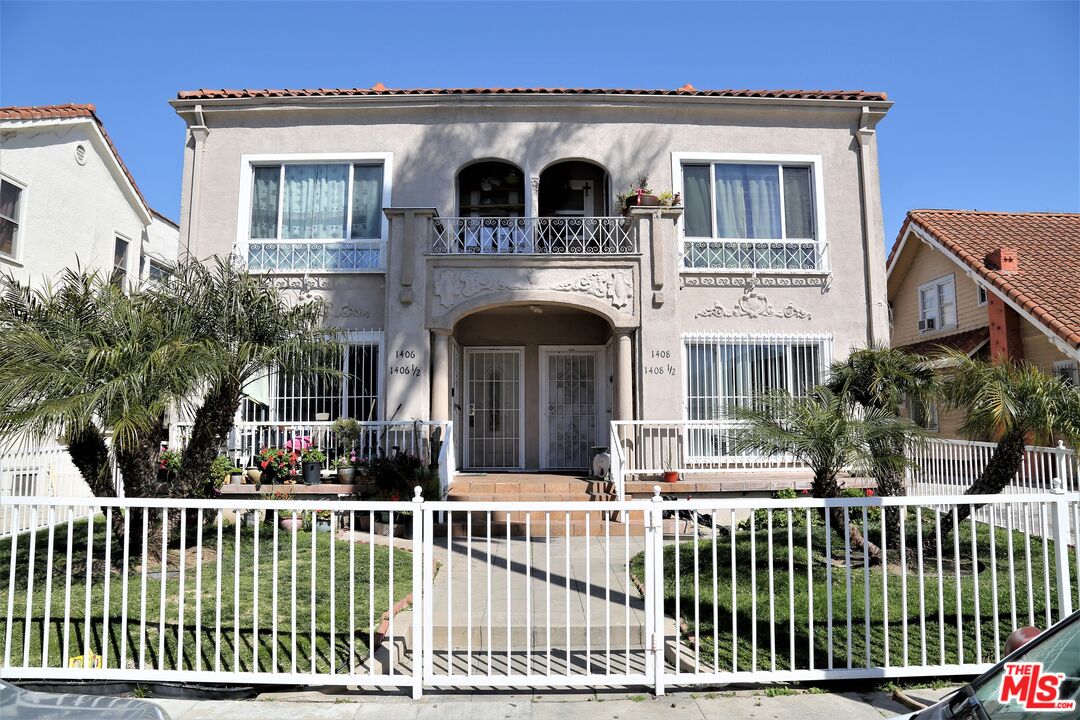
(987, 93)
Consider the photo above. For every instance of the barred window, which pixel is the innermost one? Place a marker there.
(725, 371)
(295, 398)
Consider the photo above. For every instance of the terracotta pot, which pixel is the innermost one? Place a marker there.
(671, 476)
(645, 201)
(254, 475)
(288, 522)
(345, 475)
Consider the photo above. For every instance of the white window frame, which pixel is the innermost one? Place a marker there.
(939, 321)
(16, 257)
(243, 222)
(817, 188)
(128, 280)
(930, 414)
(823, 340)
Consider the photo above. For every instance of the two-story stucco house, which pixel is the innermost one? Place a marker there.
(995, 285)
(67, 200)
(471, 241)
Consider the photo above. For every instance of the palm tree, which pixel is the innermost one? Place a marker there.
(1013, 402)
(79, 358)
(827, 433)
(247, 328)
(882, 378)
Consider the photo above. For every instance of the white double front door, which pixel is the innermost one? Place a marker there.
(571, 406)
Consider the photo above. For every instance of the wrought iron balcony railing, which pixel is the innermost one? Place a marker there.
(533, 236)
(312, 255)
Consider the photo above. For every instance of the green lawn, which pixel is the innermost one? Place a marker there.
(925, 630)
(234, 649)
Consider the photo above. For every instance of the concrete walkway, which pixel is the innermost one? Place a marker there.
(585, 705)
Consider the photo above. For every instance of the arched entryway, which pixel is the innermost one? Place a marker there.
(531, 387)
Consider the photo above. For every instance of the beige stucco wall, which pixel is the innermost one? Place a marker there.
(70, 213)
(432, 138)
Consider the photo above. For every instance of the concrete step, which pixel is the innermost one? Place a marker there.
(527, 486)
(538, 528)
(467, 495)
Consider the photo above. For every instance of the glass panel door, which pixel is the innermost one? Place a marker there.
(572, 403)
(493, 419)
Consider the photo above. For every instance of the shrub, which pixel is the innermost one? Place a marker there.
(278, 464)
(219, 470)
(313, 455)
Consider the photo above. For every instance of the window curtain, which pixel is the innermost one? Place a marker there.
(697, 202)
(315, 201)
(264, 202)
(747, 201)
(367, 201)
(798, 212)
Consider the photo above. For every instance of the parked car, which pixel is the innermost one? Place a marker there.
(1058, 649)
(19, 704)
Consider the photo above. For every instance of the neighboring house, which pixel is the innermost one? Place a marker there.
(989, 284)
(470, 242)
(67, 199)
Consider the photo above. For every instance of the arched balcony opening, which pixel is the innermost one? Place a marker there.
(491, 188)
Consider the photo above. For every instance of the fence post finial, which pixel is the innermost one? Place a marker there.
(418, 493)
(656, 493)
(1055, 486)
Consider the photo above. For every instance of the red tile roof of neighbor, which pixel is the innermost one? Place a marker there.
(72, 110)
(380, 89)
(1047, 283)
(966, 342)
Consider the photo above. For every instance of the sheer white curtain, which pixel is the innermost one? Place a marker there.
(264, 201)
(315, 201)
(367, 201)
(747, 201)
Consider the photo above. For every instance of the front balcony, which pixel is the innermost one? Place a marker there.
(555, 236)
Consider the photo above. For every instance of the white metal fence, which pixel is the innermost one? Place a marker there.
(656, 593)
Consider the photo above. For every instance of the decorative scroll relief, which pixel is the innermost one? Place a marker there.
(613, 286)
(305, 288)
(753, 305)
(762, 281)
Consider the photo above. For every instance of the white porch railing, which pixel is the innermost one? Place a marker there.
(647, 448)
(949, 467)
(654, 592)
(248, 438)
(43, 471)
(533, 236)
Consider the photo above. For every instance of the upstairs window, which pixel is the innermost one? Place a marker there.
(120, 261)
(10, 217)
(937, 305)
(750, 216)
(924, 413)
(981, 294)
(321, 201)
(1067, 371)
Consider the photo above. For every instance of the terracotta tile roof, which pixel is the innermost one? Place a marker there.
(1047, 284)
(966, 342)
(72, 110)
(380, 89)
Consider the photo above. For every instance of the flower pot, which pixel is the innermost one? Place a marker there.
(641, 201)
(323, 526)
(312, 473)
(671, 476)
(236, 478)
(289, 523)
(346, 474)
(254, 475)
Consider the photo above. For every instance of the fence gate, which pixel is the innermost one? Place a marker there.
(543, 596)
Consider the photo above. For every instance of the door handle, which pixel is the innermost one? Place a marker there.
(472, 409)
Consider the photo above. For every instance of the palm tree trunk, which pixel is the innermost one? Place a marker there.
(213, 421)
(90, 454)
(1006, 461)
(890, 483)
(826, 485)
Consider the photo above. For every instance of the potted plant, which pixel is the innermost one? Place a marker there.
(312, 460)
(168, 465)
(347, 432)
(277, 465)
(290, 520)
(345, 469)
(236, 476)
(670, 476)
(323, 520)
(642, 195)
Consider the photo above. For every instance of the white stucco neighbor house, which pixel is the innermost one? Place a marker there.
(476, 244)
(67, 199)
